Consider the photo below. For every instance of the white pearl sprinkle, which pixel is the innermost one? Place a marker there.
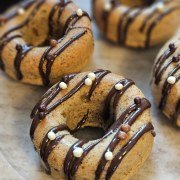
(119, 86)
(78, 152)
(107, 7)
(63, 85)
(79, 12)
(108, 155)
(51, 135)
(92, 76)
(21, 11)
(171, 80)
(88, 82)
(160, 6)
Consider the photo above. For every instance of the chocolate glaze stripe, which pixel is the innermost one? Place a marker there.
(21, 53)
(96, 82)
(61, 6)
(47, 145)
(176, 113)
(147, 19)
(7, 17)
(167, 88)
(130, 19)
(126, 149)
(120, 24)
(155, 22)
(50, 95)
(81, 122)
(144, 103)
(158, 74)
(69, 160)
(171, 50)
(38, 112)
(50, 58)
(150, 15)
(128, 117)
(113, 92)
(2, 45)
(37, 116)
(71, 93)
(30, 17)
(72, 20)
(105, 18)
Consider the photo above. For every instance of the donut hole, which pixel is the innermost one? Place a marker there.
(39, 32)
(137, 3)
(89, 133)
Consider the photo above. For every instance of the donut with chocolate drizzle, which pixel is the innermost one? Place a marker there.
(43, 40)
(137, 23)
(165, 80)
(110, 102)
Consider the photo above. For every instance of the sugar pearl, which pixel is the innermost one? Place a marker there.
(88, 82)
(160, 7)
(51, 135)
(92, 76)
(122, 135)
(53, 43)
(78, 152)
(79, 12)
(119, 86)
(108, 155)
(63, 85)
(21, 11)
(107, 7)
(171, 80)
(126, 128)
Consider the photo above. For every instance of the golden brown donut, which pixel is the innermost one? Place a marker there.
(137, 23)
(166, 80)
(43, 40)
(93, 99)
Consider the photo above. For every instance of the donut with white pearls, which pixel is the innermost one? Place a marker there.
(137, 23)
(92, 99)
(166, 80)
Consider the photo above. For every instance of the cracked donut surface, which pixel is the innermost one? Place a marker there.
(42, 40)
(165, 80)
(137, 23)
(93, 99)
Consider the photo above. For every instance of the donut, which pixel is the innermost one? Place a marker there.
(165, 80)
(137, 23)
(98, 99)
(42, 40)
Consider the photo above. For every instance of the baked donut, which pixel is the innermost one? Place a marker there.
(93, 99)
(137, 23)
(165, 80)
(43, 40)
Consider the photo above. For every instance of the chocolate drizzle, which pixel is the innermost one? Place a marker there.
(162, 58)
(72, 20)
(42, 108)
(30, 17)
(167, 87)
(21, 53)
(126, 148)
(2, 45)
(4, 39)
(129, 116)
(51, 57)
(155, 22)
(117, 95)
(61, 5)
(9, 16)
(47, 146)
(130, 15)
